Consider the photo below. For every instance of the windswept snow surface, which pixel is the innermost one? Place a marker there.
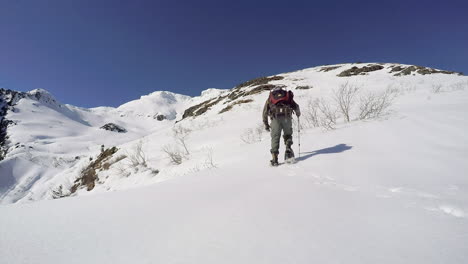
(388, 190)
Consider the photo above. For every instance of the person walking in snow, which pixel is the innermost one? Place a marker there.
(280, 106)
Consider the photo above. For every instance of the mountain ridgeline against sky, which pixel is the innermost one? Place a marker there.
(120, 51)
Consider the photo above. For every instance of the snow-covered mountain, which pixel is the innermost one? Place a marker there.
(43, 138)
(387, 186)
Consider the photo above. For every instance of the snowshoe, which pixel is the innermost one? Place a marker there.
(274, 160)
(289, 156)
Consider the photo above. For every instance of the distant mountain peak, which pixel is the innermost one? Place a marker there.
(212, 92)
(43, 95)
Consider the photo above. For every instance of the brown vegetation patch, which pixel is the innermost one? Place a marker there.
(396, 68)
(403, 71)
(237, 93)
(304, 87)
(88, 176)
(360, 71)
(230, 106)
(260, 81)
(201, 108)
(328, 68)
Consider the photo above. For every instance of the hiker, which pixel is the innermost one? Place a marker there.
(279, 107)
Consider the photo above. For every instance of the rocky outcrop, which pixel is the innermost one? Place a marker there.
(160, 117)
(43, 96)
(201, 108)
(360, 70)
(402, 71)
(251, 87)
(230, 106)
(329, 68)
(8, 99)
(260, 81)
(304, 87)
(114, 128)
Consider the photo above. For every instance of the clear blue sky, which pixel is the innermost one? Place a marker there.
(107, 52)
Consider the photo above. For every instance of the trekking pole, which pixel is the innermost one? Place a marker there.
(299, 135)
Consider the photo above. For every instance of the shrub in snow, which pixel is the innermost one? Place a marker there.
(437, 88)
(174, 153)
(373, 105)
(459, 86)
(328, 115)
(209, 163)
(252, 135)
(59, 193)
(178, 151)
(138, 156)
(310, 114)
(345, 98)
(136, 161)
(181, 135)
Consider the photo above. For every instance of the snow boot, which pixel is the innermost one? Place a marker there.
(289, 155)
(274, 160)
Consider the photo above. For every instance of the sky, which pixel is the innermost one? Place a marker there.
(92, 53)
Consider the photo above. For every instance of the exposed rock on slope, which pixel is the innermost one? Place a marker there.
(398, 69)
(360, 71)
(160, 117)
(262, 84)
(401, 71)
(329, 68)
(8, 100)
(114, 128)
(259, 81)
(251, 87)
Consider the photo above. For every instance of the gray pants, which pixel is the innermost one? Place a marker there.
(277, 124)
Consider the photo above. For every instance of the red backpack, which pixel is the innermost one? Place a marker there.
(281, 95)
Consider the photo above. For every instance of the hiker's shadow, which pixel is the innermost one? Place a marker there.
(336, 149)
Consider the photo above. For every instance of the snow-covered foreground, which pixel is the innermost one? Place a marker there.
(392, 190)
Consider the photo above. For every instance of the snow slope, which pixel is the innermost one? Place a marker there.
(386, 190)
(52, 137)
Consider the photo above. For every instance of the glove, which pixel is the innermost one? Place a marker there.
(267, 127)
(298, 112)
